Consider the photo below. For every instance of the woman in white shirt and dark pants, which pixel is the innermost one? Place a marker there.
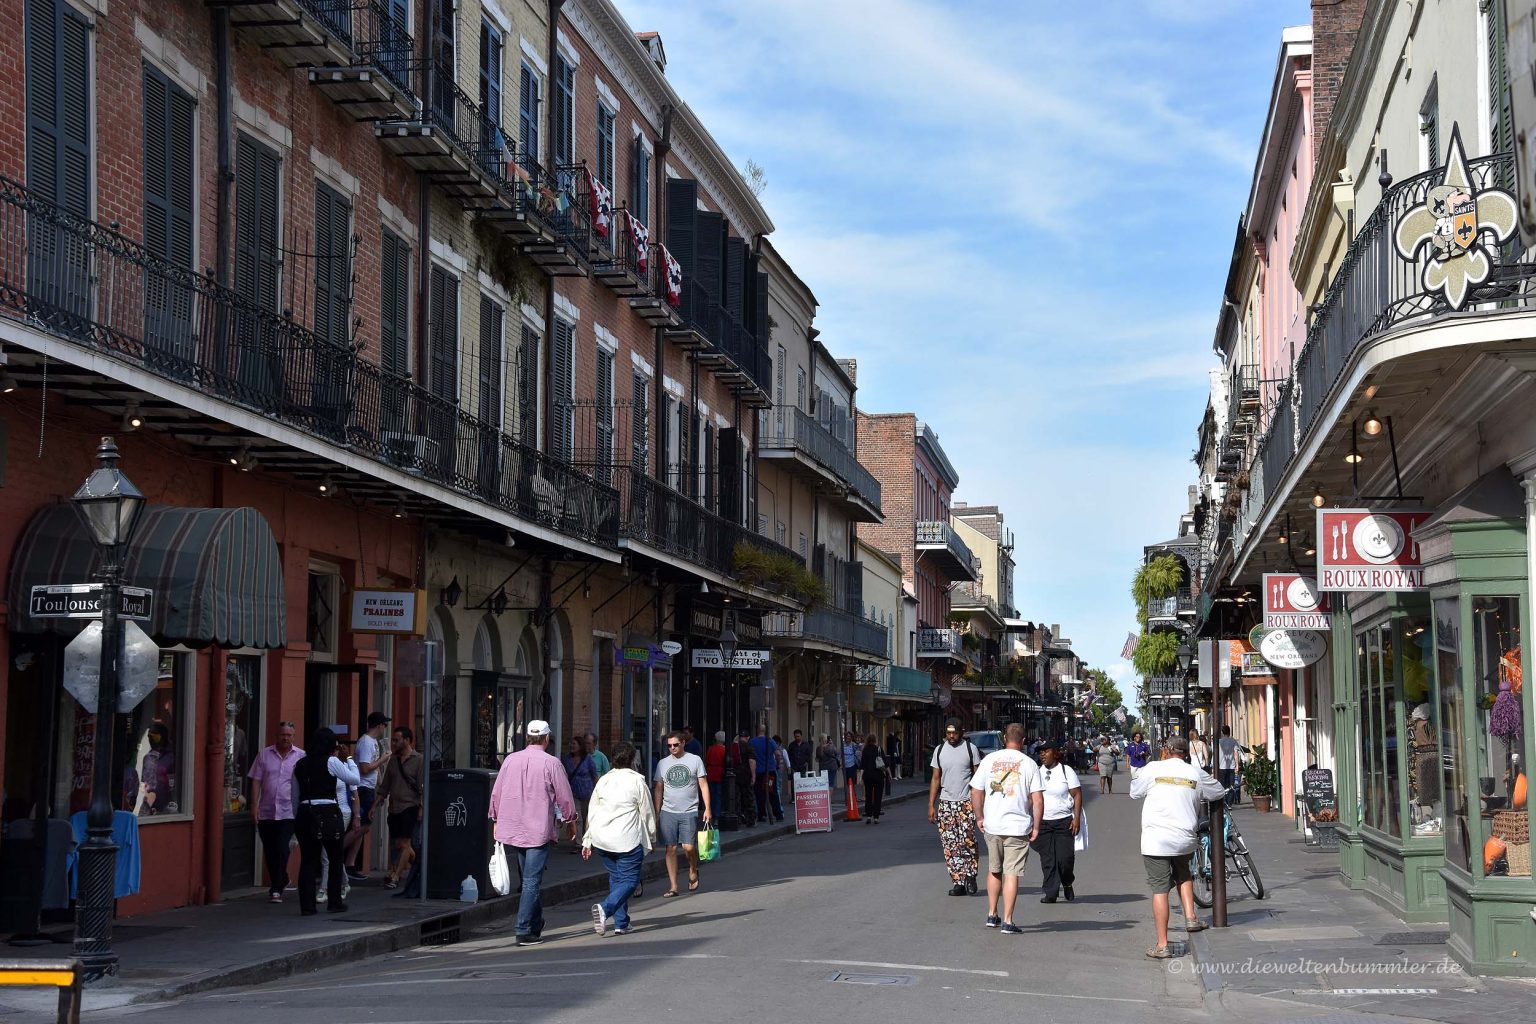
(1060, 823)
(621, 827)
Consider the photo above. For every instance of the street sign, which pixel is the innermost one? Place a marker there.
(137, 674)
(83, 601)
(1293, 648)
(813, 803)
(1216, 663)
(1292, 601)
(1362, 550)
(711, 657)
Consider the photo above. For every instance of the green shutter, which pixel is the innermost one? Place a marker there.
(638, 423)
(58, 149)
(1501, 120)
(257, 255)
(394, 303)
(488, 371)
(170, 119)
(563, 429)
(528, 388)
(333, 266)
(682, 223)
(528, 117)
(443, 335)
(604, 396)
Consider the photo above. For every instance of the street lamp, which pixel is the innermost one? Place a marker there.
(1186, 657)
(110, 506)
(730, 819)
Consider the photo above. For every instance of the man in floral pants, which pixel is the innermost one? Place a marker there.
(949, 806)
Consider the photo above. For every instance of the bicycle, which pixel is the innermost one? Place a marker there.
(1237, 853)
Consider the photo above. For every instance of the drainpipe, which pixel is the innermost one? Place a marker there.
(663, 147)
(549, 171)
(224, 103)
(423, 271)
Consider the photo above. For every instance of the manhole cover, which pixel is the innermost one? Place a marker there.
(845, 978)
(1413, 938)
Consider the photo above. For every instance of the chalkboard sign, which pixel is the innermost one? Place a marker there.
(1317, 789)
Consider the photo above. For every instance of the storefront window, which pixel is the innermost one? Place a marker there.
(1425, 806)
(1501, 727)
(1452, 703)
(242, 727)
(1370, 774)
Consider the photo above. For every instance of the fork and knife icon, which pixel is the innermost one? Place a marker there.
(1340, 542)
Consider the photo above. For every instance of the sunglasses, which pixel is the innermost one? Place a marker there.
(674, 744)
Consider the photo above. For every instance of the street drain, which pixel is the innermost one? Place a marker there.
(1413, 938)
(843, 977)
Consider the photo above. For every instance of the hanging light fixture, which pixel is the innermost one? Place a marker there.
(400, 510)
(327, 485)
(1372, 424)
(132, 418)
(1354, 457)
(1318, 500)
(1284, 539)
(452, 592)
(7, 382)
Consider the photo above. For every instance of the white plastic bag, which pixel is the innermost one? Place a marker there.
(1080, 841)
(500, 875)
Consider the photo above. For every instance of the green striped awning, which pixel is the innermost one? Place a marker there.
(216, 573)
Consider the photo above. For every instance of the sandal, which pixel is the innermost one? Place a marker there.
(390, 883)
(1194, 924)
(693, 884)
(1160, 953)
(669, 894)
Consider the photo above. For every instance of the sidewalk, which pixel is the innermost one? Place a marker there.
(1314, 941)
(246, 941)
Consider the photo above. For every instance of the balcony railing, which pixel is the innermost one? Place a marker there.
(91, 285)
(792, 429)
(383, 39)
(970, 597)
(940, 538)
(940, 643)
(1242, 400)
(833, 626)
(666, 519)
(899, 681)
(1169, 608)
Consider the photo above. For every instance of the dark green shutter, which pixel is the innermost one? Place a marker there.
(710, 258)
(605, 120)
(563, 429)
(170, 120)
(257, 256)
(682, 223)
(443, 336)
(58, 165)
(707, 460)
(488, 370)
(528, 388)
(564, 89)
(333, 266)
(735, 279)
(604, 396)
(640, 181)
(394, 305)
(638, 423)
(528, 117)
(442, 57)
(490, 73)
(730, 474)
(1502, 122)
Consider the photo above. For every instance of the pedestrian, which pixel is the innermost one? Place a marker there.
(1172, 787)
(1199, 754)
(766, 752)
(1137, 753)
(400, 788)
(1008, 800)
(872, 764)
(1060, 824)
(892, 759)
(742, 762)
(784, 774)
(272, 806)
(620, 828)
(828, 759)
(319, 824)
(680, 787)
(1106, 753)
(852, 749)
(801, 752)
(954, 761)
(690, 744)
(714, 771)
(344, 768)
(530, 800)
(1229, 759)
(372, 754)
(600, 760)
(581, 772)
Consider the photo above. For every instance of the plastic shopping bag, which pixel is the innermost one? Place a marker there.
(500, 874)
(709, 844)
(1080, 841)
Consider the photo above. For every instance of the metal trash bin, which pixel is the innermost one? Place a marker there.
(460, 835)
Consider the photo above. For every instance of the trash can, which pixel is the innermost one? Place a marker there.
(460, 835)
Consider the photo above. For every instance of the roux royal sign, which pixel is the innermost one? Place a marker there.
(1363, 550)
(1292, 601)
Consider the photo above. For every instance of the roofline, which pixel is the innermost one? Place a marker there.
(881, 555)
(766, 245)
(1295, 42)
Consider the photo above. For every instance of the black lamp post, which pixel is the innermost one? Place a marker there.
(1186, 656)
(730, 818)
(109, 505)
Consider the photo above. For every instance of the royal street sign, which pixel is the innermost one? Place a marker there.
(83, 601)
(1368, 551)
(1293, 601)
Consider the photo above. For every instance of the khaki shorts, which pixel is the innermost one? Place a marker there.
(1007, 855)
(1164, 873)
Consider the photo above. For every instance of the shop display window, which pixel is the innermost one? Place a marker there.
(242, 727)
(1379, 731)
(1426, 808)
(1498, 735)
(1452, 705)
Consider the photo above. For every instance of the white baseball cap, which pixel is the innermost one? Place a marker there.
(538, 727)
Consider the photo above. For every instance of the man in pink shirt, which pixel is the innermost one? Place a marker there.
(531, 795)
(272, 804)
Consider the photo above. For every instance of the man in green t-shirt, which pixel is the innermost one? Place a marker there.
(599, 759)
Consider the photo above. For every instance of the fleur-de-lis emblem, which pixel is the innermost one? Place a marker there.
(1456, 220)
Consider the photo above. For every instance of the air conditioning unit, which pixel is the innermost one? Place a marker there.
(409, 450)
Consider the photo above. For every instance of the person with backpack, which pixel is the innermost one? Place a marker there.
(953, 763)
(581, 772)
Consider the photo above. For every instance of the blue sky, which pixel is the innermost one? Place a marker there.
(1019, 224)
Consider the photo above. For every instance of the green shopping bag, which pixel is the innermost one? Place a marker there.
(709, 844)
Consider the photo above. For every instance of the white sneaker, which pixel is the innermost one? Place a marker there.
(345, 891)
(320, 896)
(599, 919)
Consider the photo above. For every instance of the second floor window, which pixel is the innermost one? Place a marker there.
(640, 181)
(490, 81)
(605, 146)
(528, 117)
(394, 305)
(333, 265)
(565, 111)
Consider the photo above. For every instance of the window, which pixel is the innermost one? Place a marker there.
(1429, 125)
(528, 118)
(639, 417)
(257, 259)
(563, 435)
(488, 369)
(170, 126)
(528, 388)
(1451, 710)
(59, 105)
(671, 420)
(441, 49)
(242, 730)
(443, 335)
(1425, 805)
(640, 181)
(1501, 729)
(333, 266)
(490, 74)
(320, 613)
(565, 111)
(604, 426)
(605, 145)
(394, 305)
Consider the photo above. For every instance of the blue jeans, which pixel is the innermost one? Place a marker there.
(623, 878)
(530, 905)
(717, 798)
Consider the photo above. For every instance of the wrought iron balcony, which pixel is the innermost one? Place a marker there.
(794, 436)
(1242, 401)
(1171, 609)
(650, 303)
(941, 643)
(380, 84)
(831, 626)
(621, 264)
(899, 681)
(939, 540)
(698, 317)
(297, 33)
(969, 597)
(452, 141)
(663, 518)
(90, 285)
(735, 356)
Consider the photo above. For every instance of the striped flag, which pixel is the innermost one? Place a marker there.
(674, 272)
(1129, 650)
(641, 236)
(602, 206)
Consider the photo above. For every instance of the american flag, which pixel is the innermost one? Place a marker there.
(602, 206)
(674, 271)
(1129, 649)
(641, 236)
(1119, 715)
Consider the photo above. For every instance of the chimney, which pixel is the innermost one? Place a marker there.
(1335, 25)
(652, 43)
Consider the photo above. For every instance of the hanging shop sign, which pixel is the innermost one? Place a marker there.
(1166, 686)
(1254, 664)
(861, 699)
(1293, 601)
(640, 656)
(1452, 235)
(1293, 648)
(389, 612)
(710, 657)
(1363, 550)
(1256, 636)
(83, 601)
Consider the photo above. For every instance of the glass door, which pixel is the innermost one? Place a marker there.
(242, 740)
(329, 692)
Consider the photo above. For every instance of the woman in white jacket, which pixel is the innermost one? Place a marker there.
(621, 826)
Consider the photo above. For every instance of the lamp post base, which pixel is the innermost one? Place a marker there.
(94, 910)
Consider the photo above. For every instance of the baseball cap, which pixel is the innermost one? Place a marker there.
(1050, 744)
(1177, 745)
(377, 718)
(538, 727)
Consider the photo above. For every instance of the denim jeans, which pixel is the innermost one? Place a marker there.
(623, 877)
(717, 798)
(530, 906)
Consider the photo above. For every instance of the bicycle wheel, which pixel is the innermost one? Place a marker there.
(1201, 869)
(1250, 874)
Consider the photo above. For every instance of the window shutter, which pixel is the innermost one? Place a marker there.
(1502, 120)
(442, 56)
(528, 388)
(710, 257)
(256, 229)
(490, 73)
(169, 128)
(684, 445)
(562, 439)
(682, 223)
(605, 146)
(443, 342)
(58, 146)
(760, 311)
(708, 464)
(666, 458)
(604, 396)
(394, 301)
(730, 474)
(640, 181)
(565, 112)
(333, 271)
(489, 368)
(735, 279)
(800, 388)
(528, 117)
(638, 420)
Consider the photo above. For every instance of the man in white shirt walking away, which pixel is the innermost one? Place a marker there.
(681, 783)
(1007, 795)
(1172, 788)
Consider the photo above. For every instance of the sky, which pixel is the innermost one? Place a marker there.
(1018, 218)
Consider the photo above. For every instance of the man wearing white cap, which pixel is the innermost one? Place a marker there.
(531, 795)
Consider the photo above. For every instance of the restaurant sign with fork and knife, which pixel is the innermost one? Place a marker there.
(1293, 601)
(1369, 550)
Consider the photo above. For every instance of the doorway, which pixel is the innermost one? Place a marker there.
(328, 691)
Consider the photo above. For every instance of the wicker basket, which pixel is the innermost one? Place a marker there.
(1514, 827)
(1519, 859)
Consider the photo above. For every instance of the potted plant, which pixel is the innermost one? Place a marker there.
(1260, 776)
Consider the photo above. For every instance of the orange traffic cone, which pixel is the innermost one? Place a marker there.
(853, 803)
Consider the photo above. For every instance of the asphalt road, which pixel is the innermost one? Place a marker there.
(852, 926)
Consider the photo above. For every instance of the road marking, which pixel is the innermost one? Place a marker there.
(1058, 995)
(501, 976)
(898, 967)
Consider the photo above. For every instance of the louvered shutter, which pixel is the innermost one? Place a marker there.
(707, 493)
(735, 279)
(748, 484)
(170, 117)
(488, 370)
(528, 388)
(490, 73)
(443, 340)
(666, 458)
(333, 266)
(565, 112)
(442, 56)
(394, 301)
(58, 149)
(760, 318)
(638, 423)
(684, 445)
(256, 229)
(710, 257)
(563, 430)
(640, 180)
(1501, 121)
(730, 474)
(605, 146)
(528, 117)
(682, 223)
(604, 397)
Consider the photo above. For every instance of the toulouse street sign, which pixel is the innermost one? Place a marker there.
(83, 601)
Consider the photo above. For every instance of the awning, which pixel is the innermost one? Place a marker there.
(216, 573)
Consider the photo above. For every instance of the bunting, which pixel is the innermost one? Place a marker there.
(641, 237)
(602, 206)
(674, 271)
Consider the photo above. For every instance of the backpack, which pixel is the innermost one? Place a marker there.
(969, 746)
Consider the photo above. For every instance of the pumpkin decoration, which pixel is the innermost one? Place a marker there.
(1517, 798)
(1493, 851)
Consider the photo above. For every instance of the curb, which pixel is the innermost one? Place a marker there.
(420, 932)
